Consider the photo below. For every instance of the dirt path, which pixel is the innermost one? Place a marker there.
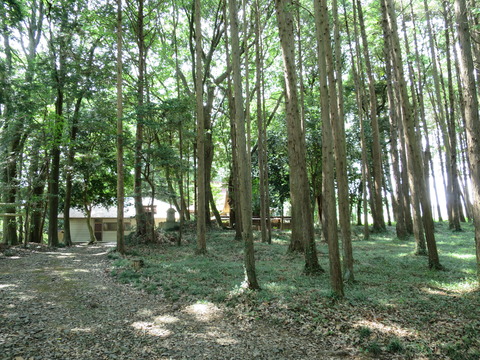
(63, 305)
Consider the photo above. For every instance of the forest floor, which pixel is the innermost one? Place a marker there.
(88, 302)
(63, 304)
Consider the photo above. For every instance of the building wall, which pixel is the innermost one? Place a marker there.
(79, 228)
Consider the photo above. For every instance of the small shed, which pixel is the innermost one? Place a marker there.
(104, 220)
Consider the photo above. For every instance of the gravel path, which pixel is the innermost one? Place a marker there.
(62, 304)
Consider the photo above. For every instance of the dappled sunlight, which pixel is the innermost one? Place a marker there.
(226, 340)
(62, 255)
(9, 286)
(151, 329)
(165, 319)
(192, 271)
(81, 330)
(455, 290)
(145, 312)
(390, 329)
(203, 311)
(461, 256)
(279, 287)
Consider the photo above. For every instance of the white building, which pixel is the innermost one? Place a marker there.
(104, 220)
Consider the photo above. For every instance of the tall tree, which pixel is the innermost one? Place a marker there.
(245, 173)
(377, 210)
(302, 218)
(201, 199)
(330, 227)
(61, 32)
(261, 129)
(140, 215)
(470, 100)
(13, 127)
(120, 170)
(415, 163)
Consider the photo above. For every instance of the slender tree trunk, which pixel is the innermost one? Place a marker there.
(377, 211)
(470, 100)
(441, 116)
(91, 233)
(245, 180)
(302, 219)
(261, 131)
(415, 160)
(330, 229)
(201, 186)
(140, 215)
(67, 239)
(359, 95)
(452, 134)
(11, 137)
(120, 170)
(54, 176)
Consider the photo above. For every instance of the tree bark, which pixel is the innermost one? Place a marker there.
(416, 177)
(470, 100)
(140, 215)
(120, 169)
(245, 180)
(302, 237)
(330, 229)
(377, 211)
(201, 187)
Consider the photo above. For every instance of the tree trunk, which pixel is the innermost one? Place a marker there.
(140, 215)
(470, 100)
(120, 170)
(377, 211)
(302, 220)
(201, 187)
(338, 128)
(11, 137)
(261, 129)
(417, 180)
(330, 229)
(91, 233)
(245, 180)
(452, 136)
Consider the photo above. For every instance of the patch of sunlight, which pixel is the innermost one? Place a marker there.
(151, 329)
(435, 291)
(101, 253)
(81, 330)
(279, 287)
(203, 311)
(145, 312)
(165, 319)
(455, 289)
(226, 341)
(462, 256)
(384, 328)
(192, 271)
(4, 286)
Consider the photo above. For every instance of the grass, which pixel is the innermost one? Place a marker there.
(396, 305)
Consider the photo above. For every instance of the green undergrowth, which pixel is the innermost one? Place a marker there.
(397, 306)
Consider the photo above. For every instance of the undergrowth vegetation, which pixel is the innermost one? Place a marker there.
(396, 308)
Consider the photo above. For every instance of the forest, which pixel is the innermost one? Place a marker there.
(341, 115)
